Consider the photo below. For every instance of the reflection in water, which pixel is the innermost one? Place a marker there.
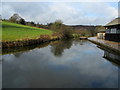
(78, 41)
(113, 57)
(60, 64)
(19, 50)
(58, 47)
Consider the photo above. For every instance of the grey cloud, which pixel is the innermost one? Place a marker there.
(68, 12)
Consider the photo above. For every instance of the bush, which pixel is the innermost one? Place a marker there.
(67, 32)
(22, 21)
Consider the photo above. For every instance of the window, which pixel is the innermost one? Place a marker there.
(107, 30)
(113, 30)
(118, 30)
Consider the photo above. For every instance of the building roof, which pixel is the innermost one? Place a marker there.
(114, 22)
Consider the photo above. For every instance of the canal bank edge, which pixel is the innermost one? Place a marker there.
(9, 44)
(105, 46)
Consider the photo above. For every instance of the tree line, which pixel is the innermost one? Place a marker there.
(16, 18)
(59, 27)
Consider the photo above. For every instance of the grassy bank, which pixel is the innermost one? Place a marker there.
(16, 35)
(16, 32)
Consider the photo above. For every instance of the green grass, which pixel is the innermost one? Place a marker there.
(14, 32)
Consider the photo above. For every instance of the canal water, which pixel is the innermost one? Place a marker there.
(60, 64)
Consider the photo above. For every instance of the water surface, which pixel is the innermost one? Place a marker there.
(60, 64)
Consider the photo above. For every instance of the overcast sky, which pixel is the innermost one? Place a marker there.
(71, 13)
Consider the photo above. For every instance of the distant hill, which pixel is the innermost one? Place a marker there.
(87, 30)
(79, 27)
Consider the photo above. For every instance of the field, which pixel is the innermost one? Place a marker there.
(14, 32)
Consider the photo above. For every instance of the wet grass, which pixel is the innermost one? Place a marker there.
(15, 32)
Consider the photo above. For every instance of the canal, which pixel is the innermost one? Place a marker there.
(60, 64)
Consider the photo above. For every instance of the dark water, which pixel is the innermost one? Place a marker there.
(60, 64)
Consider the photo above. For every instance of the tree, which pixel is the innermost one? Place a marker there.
(37, 25)
(59, 21)
(56, 26)
(66, 32)
(15, 18)
(32, 23)
(92, 31)
(0, 17)
(22, 21)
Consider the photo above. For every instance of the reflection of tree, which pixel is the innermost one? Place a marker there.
(18, 54)
(80, 42)
(58, 46)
